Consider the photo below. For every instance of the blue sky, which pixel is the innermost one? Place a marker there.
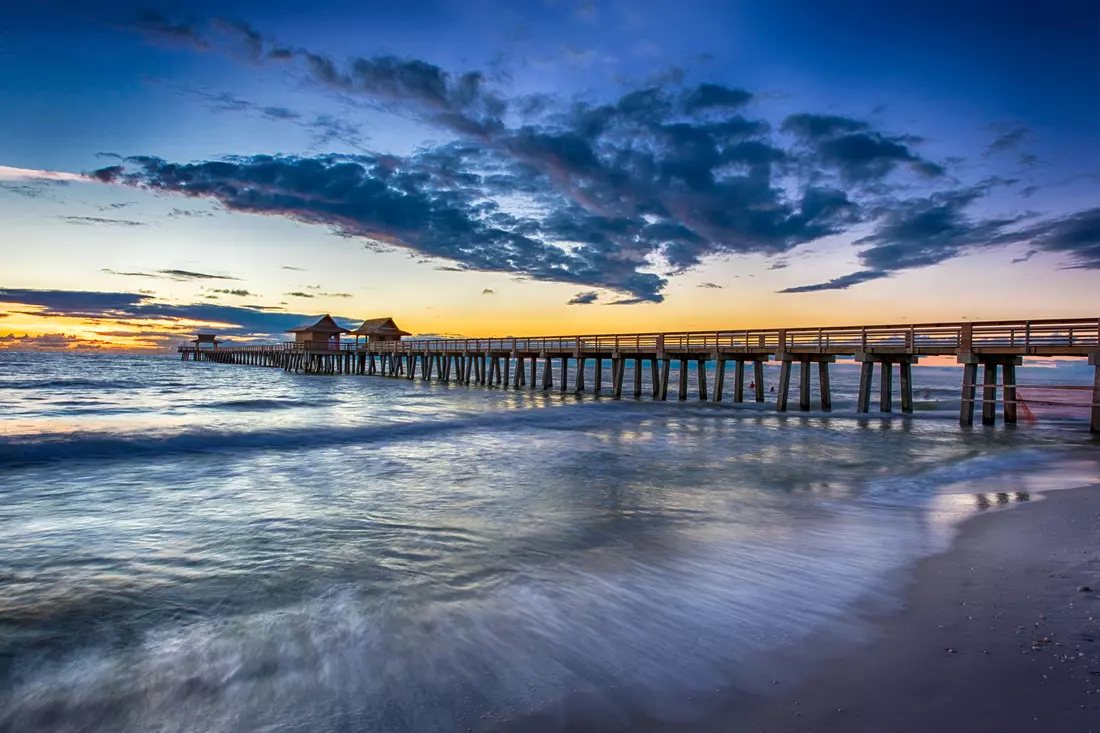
(489, 168)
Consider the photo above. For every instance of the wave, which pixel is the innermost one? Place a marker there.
(73, 383)
(258, 405)
(93, 446)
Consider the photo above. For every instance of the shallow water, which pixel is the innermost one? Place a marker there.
(201, 547)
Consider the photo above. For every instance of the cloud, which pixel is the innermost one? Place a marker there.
(158, 28)
(1025, 256)
(299, 294)
(295, 269)
(94, 220)
(182, 275)
(856, 152)
(488, 291)
(923, 232)
(585, 298)
(1007, 140)
(7, 173)
(839, 283)
(780, 265)
(50, 342)
(713, 286)
(238, 293)
(139, 310)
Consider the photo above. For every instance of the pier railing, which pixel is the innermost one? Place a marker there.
(1041, 337)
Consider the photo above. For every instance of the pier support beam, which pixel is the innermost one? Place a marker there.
(564, 374)
(655, 377)
(991, 362)
(1008, 378)
(784, 385)
(507, 370)
(1094, 422)
(823, 386)
(618, 366)
(886, 388)
(701, 378)
(683, 392)
(579, 386)
(637, 378)
(597, 377)
(666, 368)
(989, 394)
(534, 372)
(739, 380)
(758, 378)
(547, 374)
(804, 387)
(719, 378)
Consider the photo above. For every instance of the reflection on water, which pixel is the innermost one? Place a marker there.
(194, 547)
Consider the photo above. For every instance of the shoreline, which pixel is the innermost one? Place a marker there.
(993, 635)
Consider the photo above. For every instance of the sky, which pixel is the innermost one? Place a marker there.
(548, 167)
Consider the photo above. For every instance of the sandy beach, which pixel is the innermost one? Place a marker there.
(996, 635)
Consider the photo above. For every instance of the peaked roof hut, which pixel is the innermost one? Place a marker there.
(379, 329)
(205, 341)
(324, 331)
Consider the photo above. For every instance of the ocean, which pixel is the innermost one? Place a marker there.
(203, 547)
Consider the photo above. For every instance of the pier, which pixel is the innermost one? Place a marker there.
(989, 349)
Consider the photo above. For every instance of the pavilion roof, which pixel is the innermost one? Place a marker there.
(379, 327)
(324, 324)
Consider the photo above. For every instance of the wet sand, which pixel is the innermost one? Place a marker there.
(995, 635)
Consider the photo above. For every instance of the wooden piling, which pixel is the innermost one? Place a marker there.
(618, 366)
(637, 378)
(804, 386)
(784, 385)
(1009, 379)
(547, 374)
(1094, 422)
(701, 376)
(597, 377)
(738, 380)
(886, 388)
(564, 374)
(719, 379)
(655, 378)
(579, 386)
(866, 377)
(666, 368)
(989, 394)
(507, 370)
(906, 387)
(969, 392)
(758, 379)
(683, 392)
(534, 372)
(823, 386)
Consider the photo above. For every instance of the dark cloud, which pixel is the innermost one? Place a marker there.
(584, 298)
(128, 274)
(1076, 235)
(50, 342)
(927, 231)
(160, 29)
(295, 269)
(840, 283)
(713, 286)
(781, 265)
(138, 307)
(97, 220)
(854, 150)
(1007, 140)
(299, 294)
(488, 291)
(189, 275)
(238, 293)
(710, 96)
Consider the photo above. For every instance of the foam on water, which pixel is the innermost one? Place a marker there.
(196, 547)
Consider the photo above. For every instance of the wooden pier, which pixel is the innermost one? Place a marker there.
(998, 347)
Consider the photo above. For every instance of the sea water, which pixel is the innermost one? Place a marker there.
(203, 547)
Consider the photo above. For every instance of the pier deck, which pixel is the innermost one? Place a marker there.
(997, 346)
